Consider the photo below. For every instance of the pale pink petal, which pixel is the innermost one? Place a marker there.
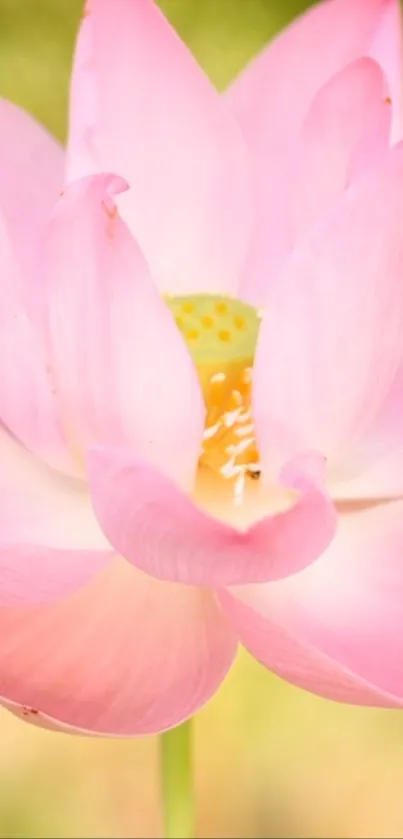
(373, 467)
(157, 528)
(141, 107)
(50, 542)
(81, 152)
(127, 655)
(296, 662)
(337, 627)
(345, 132)
(331, 341)
(38, 574)
(27, 402)
(270, 100)
(31, 176)
(387, 49)
(120, 368)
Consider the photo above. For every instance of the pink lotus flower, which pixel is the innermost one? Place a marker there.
(129, 434)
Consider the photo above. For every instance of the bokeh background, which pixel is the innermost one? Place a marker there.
(271, 761)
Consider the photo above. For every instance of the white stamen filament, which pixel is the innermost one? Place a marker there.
(236, 422)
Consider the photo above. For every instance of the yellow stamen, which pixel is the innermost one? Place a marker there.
(221, 335)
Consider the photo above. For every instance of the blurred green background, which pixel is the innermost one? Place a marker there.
(272, 761)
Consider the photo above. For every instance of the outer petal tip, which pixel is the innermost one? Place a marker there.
(103, 184)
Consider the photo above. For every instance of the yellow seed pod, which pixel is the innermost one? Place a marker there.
(221, 335)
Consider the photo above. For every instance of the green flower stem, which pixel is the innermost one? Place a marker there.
(177, 783)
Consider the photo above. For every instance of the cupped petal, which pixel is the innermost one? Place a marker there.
(160, 530)
(127, 655)
(162, 126)
(120, 368)
(331, 341)
(31, 177)
(337, 627)
(272, 96)
(50, 542)
(346, 131)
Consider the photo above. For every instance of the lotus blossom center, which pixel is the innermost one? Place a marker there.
(221, 335)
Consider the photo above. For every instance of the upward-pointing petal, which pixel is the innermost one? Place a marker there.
(141, 107)
(27, 404)
(332, 339)
(120, 369)
(387, 49)
(272, 95)
(31, 177)
(346, 131)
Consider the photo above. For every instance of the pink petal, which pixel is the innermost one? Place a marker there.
(332, 338)
(157, 528)
(337, 627)
(271, 98)
(297, 662)
(31, 176)
(387, 49)
(31, 173)
(161, 125)
(27, 402)
(120, 368)
(373, 467)
(81, 152)
(345, 132)
(50, 543)
(127, 655)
